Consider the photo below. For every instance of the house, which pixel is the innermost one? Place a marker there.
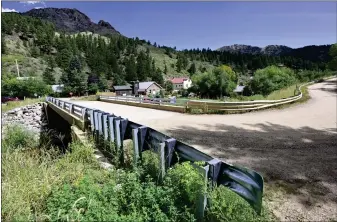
(181, 83)
(122, 90)
(147, 88)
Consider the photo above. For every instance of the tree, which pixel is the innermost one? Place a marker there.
(333, 54)
(3, 46)
(158, 77)
(192, 69)
(168, 86)
(48, 74)
(213, 84)
(272, 78)
(131, 69)
(24, 88)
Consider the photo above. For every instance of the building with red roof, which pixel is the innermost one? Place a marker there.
(181, 83)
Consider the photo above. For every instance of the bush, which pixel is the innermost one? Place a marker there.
(225, 205)
(117, 196)
(18, 137)
(187, 182)
(272, 78)
(24, 88)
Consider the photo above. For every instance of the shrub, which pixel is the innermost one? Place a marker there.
(187, 182)
(225, 205)
(18, 137)
(118, 196)
(272, 78)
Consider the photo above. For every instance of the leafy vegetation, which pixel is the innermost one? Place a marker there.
(28, 88)
(44, 184)
(15, 104)
(272, 78)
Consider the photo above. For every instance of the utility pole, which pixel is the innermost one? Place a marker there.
(17, 67)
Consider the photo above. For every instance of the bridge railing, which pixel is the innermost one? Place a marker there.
(113, 128)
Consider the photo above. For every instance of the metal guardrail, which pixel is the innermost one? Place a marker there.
(112, 128)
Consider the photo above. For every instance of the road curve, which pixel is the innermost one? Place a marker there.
(294, 148)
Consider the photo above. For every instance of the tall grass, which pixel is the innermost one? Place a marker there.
(45, 184)
(28, 175)
(15, 104)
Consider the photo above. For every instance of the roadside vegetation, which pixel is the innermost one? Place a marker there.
(41, 183)
(15, 104)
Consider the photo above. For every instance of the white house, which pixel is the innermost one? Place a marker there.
(181, 83)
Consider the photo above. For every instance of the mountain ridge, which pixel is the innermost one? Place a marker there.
(72, 21)
(272, 50)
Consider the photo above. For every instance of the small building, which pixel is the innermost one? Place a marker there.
(122, 90)
(147, 88)
(181, 83)
(57, 88)
(239, 89)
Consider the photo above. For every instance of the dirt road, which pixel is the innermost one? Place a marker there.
(294, 148)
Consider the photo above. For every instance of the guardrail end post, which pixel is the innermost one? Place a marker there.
(202, 200)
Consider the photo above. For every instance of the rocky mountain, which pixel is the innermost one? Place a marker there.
(311, 53)
(255, 50)
(71, 21)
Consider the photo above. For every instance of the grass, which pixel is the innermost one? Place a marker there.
(276, 95)
(45, 184)
(15, 104)
(29, 175)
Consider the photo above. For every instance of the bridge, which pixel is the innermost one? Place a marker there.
(296, 143)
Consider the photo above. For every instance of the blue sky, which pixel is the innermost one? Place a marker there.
(211, 24)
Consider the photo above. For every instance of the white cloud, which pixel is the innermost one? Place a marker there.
(37, 7)
(34, 2)
(8, 10)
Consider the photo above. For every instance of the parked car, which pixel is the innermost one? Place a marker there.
(5, 99)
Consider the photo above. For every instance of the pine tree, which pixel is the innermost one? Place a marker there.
(3, 46)
(48, 74)
(192, 69)
(131, 69)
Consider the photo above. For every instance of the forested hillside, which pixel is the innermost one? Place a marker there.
(88, 60)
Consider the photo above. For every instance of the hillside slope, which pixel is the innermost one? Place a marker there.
(71, 21)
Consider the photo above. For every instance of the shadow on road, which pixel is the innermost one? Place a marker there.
(303, 161)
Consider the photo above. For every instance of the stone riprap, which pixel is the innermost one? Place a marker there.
(30, 116)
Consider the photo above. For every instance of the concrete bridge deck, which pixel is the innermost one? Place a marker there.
(296, 145)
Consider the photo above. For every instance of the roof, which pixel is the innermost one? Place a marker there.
(145, 85)
(239, 89)
(126, 87)
(178, 80)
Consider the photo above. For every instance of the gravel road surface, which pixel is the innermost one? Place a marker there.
(295, 148)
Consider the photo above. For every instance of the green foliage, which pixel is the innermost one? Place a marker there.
(168, 86)
(27, 88)
(117, 196)
(214, 84)
(187, 182)
(17, 137)
(48, 74)
(272, 78)
(333, 54)
(3, 46)
(225, 205)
